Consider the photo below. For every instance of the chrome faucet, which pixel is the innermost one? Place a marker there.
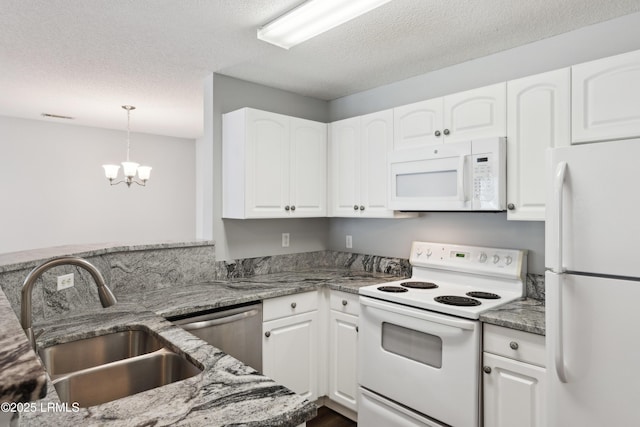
(106, 296)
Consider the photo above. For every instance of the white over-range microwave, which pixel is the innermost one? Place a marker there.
(462, 176)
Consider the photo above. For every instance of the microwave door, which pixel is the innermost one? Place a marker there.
(431, 183)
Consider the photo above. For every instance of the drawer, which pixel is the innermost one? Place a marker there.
(344, 302)
(289, 305)
(518, 345)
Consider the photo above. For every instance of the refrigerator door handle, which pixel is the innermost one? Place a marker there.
(557, 267)
(558, 187)
(558, 358)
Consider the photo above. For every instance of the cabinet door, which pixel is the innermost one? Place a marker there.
(267, 164)
(417, 125)
(290, 352)
(476, 114)
(344, 175)
(343, 344)
(377, 140)
(538, 112)
(308, 178)
(513, 393)
(606, 98)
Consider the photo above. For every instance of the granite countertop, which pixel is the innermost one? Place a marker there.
(227, 392)
(22, 378)
(193, 298)
(526, 315)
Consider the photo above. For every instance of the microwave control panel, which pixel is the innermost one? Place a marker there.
(488, 175)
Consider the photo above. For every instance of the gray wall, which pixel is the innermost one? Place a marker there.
(392, 237)
(251, 238)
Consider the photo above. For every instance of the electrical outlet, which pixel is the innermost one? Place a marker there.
(349, 241)
(65, 281)
(285, 240)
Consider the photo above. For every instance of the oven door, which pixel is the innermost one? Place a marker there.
(423, 360)
(437, 178)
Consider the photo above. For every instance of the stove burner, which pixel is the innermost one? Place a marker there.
(392, 289)
(483, 295)
(457, 300)
(419, 285)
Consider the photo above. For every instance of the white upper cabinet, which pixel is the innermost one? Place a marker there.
(419, 124)
(606, 98)
(274, 166)
(473, 114)
(358, 170)
(538, 111)
(476, 114)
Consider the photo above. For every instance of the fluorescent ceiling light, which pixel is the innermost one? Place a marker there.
(313, 17)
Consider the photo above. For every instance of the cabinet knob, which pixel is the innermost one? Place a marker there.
(514, 345)
(267, 334)
(487, 369)
(286, 208)
(511, 206)
(293, 207)
(446, 132)
(361, 207)
(345, 302)
(355, 207)
(437, 133)
(293, 305)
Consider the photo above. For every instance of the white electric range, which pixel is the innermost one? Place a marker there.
(419, 341)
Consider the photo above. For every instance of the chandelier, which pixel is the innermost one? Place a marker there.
(129, 168)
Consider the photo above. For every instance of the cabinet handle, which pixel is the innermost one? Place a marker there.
(355, 207)
(293, 305)
(267, 334)
(487, 369)
(446, 132)
(437, 133)
(511, 206)
(293, 207)
(357, 329)
(344, 302)
(286, 208)
(514, 345)
(361, 207)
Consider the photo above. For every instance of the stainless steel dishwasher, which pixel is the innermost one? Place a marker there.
(236, 330)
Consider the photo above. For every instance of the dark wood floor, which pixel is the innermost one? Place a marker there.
(328, 418)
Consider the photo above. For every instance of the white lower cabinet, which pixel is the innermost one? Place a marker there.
(290, 342)
(343, 346)
(514, 378)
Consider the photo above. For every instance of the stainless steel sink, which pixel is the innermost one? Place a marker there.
(123, 378)
(89, 352)
(108, 367)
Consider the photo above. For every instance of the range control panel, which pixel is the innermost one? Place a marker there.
(508, 263)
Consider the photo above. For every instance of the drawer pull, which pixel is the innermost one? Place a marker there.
(344, 302)
(487, 369)
(293, 305)
(514, 345)
(267, 334)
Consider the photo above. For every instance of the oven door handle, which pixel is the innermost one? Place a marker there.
(420, 314)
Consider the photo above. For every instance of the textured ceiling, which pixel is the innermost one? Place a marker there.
(87, 58)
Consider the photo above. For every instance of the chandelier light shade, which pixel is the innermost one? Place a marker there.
(129, 168)
(313, 17)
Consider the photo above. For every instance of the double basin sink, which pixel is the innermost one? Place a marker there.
(100, 369)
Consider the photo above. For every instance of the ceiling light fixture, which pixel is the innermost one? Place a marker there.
(313, 17)
(129, 168)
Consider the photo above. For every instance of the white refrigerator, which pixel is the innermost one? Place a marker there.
(592, 239)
